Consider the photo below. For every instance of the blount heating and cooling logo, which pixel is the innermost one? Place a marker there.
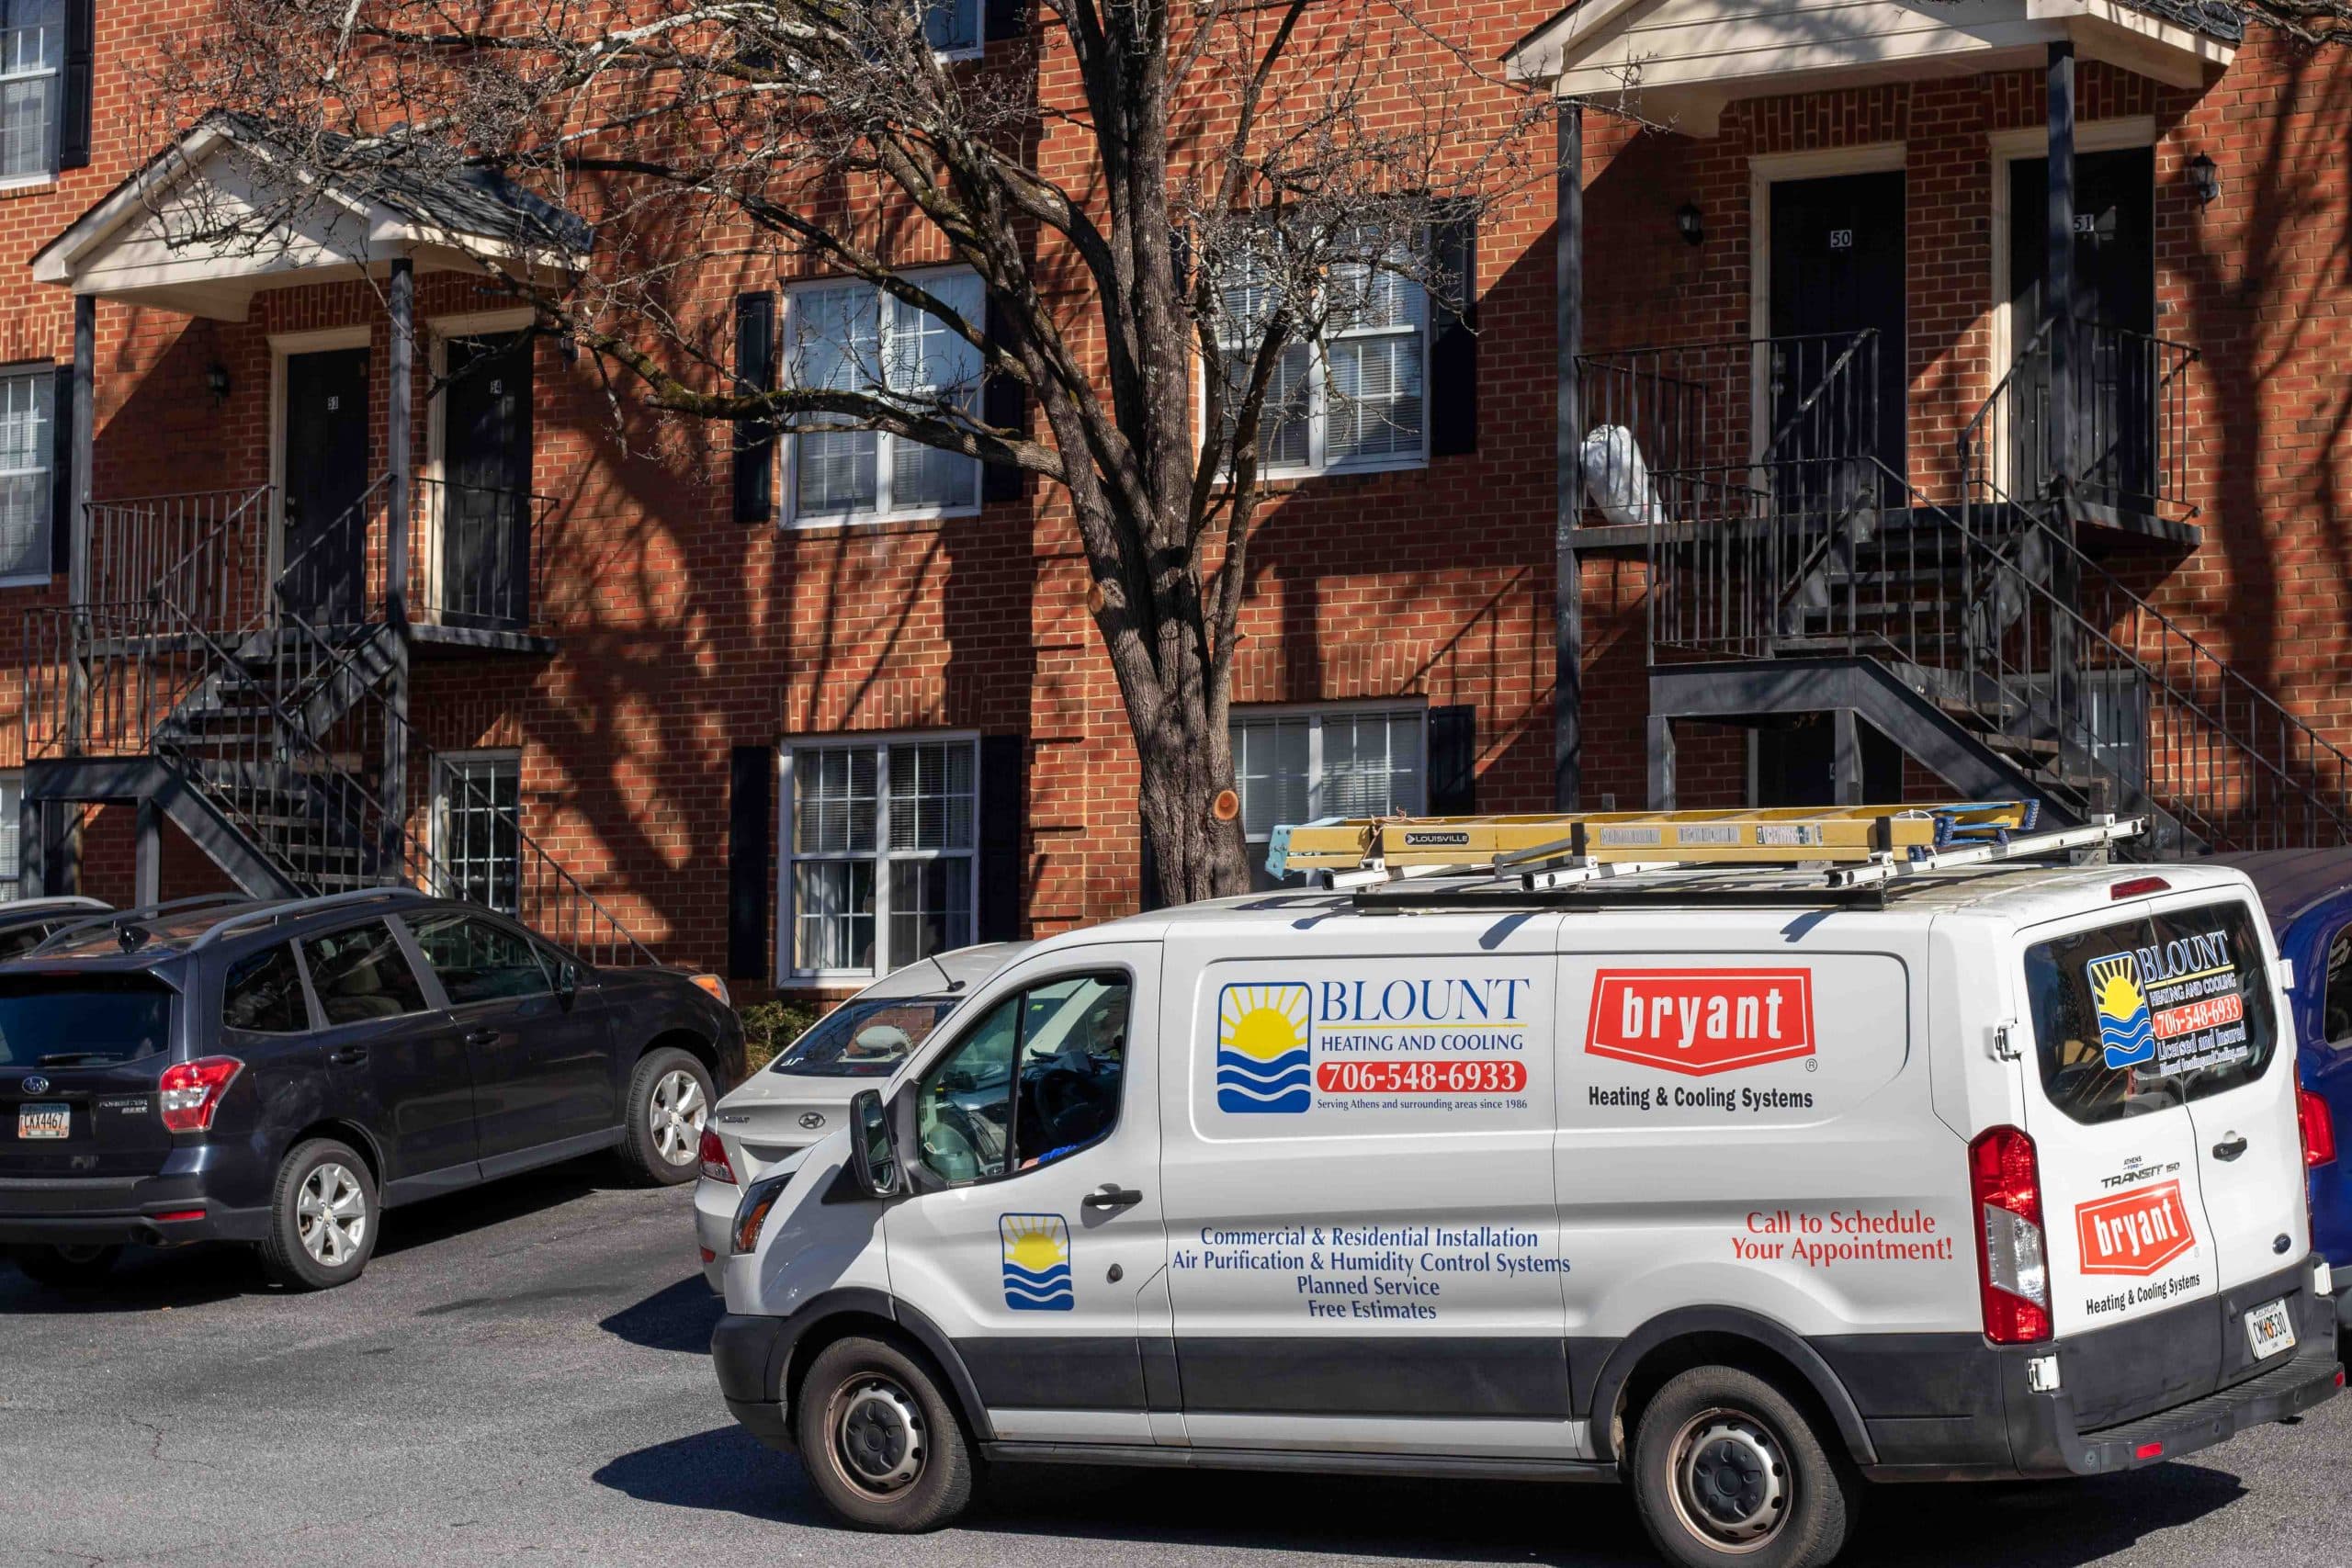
(1036, 1262)
(1263, 1038)
(2195, 972)
(2133, 1233)
(1700, 1021)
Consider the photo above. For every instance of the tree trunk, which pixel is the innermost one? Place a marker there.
(1192, 855)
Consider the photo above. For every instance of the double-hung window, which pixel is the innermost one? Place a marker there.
(1354, 399)
(850, 336)
(27, 448)
(33, 48)
(882, 835)
(12, 801)
(478, 833)
(1295, 764)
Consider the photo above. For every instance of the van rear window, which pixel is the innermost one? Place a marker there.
(2143, 1015)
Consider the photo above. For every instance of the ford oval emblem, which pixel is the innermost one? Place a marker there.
(39, 1085)
(812, 1120)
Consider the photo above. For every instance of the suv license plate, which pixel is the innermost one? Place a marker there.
(44, 1120)
(2269, 1330)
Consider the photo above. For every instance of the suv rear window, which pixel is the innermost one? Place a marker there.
(2147, 1014)
(57, 1020)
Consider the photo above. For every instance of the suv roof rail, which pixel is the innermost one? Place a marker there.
(1841, 856)
(122, 918)
(287, 909)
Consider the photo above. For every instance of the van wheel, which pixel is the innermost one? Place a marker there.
(1727, 1469)
(880, 1439)
(76, 1268)
(321, 1218)
(669, 1101)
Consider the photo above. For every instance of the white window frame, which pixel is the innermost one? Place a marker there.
(788, 513)
(882, 856)
(12, 806)
(979, 46)
(1318, 403)
(444, 836)
(43, 375)
(1255, 844)
(54, 71)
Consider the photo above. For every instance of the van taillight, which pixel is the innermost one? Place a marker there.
(714, 1160)
(2317, 1124)
(2013, 1266)
(192, 1091)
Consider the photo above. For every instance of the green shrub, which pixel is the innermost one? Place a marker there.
(769, 1027)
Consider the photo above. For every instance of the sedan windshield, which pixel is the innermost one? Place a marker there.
(864, 1038)
(51, 1020)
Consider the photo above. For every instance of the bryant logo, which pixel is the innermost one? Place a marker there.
(1700, 1021)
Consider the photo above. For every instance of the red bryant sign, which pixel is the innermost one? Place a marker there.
(1700, 1021)
(2133, 1233)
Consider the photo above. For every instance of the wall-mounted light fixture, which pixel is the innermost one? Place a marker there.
(216, 381)
(2205, 179)
(1690, 224)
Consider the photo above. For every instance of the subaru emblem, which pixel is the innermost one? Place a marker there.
(812, 1120)
(35, 1084)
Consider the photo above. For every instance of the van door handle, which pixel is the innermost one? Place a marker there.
(482, 1037)
(1111, 1198)
(2230, 1147)
(347, 1056)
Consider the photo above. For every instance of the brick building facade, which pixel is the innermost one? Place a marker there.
(681, 681)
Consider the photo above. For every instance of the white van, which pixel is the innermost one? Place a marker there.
(1740, 1189)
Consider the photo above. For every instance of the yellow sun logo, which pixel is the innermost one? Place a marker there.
(1263, 1023)
(1036, 1262)
(1034, 1242)
(2119, 993)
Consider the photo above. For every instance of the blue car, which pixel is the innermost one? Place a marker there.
(2308, 896)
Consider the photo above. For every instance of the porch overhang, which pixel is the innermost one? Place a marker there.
(226, 212)
(1681, 61)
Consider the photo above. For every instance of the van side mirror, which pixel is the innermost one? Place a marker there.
(874, 1148)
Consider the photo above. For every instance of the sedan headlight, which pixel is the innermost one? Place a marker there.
(751, 1214)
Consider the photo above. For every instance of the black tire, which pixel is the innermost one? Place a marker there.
(880, 1439)
(323, 1217)
(66, 1267)
(642, 1134)
(1729, 1470)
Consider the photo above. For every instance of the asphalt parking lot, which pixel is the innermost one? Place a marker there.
(521, 1376)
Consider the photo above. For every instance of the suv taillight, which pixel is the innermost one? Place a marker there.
(2317, 1125)
(714, 1160)
(2013, 1264)
(192, 1091)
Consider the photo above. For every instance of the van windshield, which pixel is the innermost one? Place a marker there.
(865, 1039)
(55, 1020)
(2147, 1014)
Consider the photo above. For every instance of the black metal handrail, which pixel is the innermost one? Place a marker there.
(477, 552)
(2130, 422)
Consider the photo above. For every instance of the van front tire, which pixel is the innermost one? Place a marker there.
(1728, 1469)
(880, 1440)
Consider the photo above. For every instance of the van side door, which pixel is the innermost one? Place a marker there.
(1036, 1219)
(1363, 1228)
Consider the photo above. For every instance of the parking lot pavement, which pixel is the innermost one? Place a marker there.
(521, 1376)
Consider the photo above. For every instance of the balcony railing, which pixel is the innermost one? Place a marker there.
(475, 555)
(208, 550)
(2131, 431)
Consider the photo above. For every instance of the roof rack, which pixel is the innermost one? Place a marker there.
(287, 909)
(120, 918)
(1856, 852)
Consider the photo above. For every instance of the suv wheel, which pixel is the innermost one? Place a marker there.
(669, 1101)
(70, 1268)
(1727, 1470)
(880, 1440)
(321, 1217)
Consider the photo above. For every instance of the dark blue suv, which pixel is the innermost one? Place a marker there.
(282, 1073)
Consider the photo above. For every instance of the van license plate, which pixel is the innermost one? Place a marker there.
(44, 1120)
(2269, 1330)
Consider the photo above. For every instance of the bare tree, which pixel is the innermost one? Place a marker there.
(1161, 204)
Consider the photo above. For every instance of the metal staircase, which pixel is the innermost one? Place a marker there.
(199, 682)
(1803, 573)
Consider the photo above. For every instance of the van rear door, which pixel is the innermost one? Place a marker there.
(2123, 1212)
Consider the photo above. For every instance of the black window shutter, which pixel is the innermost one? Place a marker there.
(1453, 341)
(1003, 786)
(61, 499)
(1003, 20)
(1005, 403)
(1453, 761)
(751, 892)
(754, 438)
(80, 73)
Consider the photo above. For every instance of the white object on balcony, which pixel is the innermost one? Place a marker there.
(1617, 481)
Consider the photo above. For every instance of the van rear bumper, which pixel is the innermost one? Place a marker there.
(1992, 1424)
